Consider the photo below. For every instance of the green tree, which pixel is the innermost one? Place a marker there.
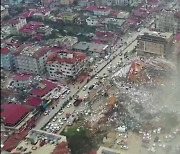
(78, 139)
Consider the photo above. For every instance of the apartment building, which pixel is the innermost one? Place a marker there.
(16, 24)
(14, 2)
(119, 2)
(7, 61)
(66, 2)
(4, 12)
(168, 21)
(99, 10)
(155, 43)
(92, 21)
(31, 59)
(66, 64)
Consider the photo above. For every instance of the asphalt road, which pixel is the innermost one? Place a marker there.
(100, 70)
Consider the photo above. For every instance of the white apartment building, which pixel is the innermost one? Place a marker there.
(31, 59)
(4, 12)
(17, 24)
(168, 21)
(92, 21)
(119, 2)
(66, 64)
(7, 61)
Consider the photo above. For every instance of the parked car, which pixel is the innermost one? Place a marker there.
(84, 88)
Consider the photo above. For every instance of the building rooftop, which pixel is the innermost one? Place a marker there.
(81, 46)
(133, 21)
(5, 51)
(177, 37)
(13, 113)
(165, 35)
(27, 14)
(61, 148)
(140, 13)
(43, 88)
(2, 8)
(72, 58)
(30, 27)
(104, 34)
(34, 101)
(35, 51)
(113, 21)
(22, 77)
(95, 47)
(97, 8)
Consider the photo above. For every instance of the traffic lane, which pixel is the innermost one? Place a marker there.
(52, 113)
(81, 93)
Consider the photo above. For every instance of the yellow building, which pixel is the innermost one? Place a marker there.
(66, 2)
(154, 43)
(69, 17)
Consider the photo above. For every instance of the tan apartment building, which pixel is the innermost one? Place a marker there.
(155, 44)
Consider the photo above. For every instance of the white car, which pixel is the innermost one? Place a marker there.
(96, 77)
(85, 96)
(68, 91)
(46, 112)
(99, 62)
(63, 97)
(60, 113)
(107, 57)
(84, 88)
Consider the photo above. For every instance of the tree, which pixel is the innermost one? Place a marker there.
(78, 136)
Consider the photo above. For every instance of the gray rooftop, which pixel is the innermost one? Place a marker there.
(82, 46)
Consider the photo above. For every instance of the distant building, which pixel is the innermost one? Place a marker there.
(4, 12)
(66, 2)
(7, 60)
(16, 24)
(30, 28)
(14, 2)
(112, 24)
(67, 41)
(68, 17)
(66, 64)
(154, 43)
(99, 10)
(92, 21)
(168, 21)
(31, 59)
(83, 3)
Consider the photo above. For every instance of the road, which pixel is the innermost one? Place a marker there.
(102, 68)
